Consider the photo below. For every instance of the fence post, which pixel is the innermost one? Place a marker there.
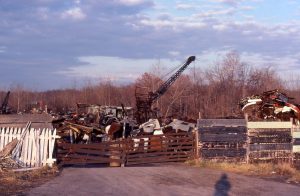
(124, 150)
(248, 140)
(197, 144)
(291, 159)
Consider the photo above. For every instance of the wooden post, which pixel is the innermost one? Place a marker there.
(291, 158)
(124, 152)
(247, 141)
(197, 144)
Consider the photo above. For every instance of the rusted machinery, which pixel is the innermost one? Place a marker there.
(270, 105)
(4, 107)
(144, 100)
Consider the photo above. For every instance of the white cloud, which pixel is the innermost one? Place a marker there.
(73, 13)
(221, 12)
(132, 2)
(229, 2)
(43, 13)
(174, 53)
(113, 68)
(2, 49)
(184, 6)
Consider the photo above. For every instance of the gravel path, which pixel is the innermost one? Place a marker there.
(159, 180)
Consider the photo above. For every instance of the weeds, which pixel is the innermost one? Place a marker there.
(259, 169)
(12, 183)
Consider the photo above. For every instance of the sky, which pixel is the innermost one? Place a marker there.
(52, 44)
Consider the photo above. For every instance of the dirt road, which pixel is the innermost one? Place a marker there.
(159, 180)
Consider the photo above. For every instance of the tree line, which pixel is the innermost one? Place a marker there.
(211, 93)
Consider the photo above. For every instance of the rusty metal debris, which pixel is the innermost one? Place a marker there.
(270, 105)
(96, 123)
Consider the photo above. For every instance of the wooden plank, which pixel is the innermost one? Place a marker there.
(97, 146)
(296, 134)
(183, 148)
(270, 140)
(221, 122)
(158, 161)
(272, 125)
(160, 140)
(223, 152)
(157, 158)
(268, 131)
(275, 147)
(153, 154)
(296, 148)
(270, 154)
(222, 137)
(83, 157)
(2, 132)
(222, 129)
(296, 141)
(85, 151)
(80, 161)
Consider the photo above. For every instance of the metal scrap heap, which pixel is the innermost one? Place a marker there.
(270, 105)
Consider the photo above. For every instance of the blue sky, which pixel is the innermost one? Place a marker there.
(48, 44)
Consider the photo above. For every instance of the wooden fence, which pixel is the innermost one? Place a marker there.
(172, 147)
(36, 145)
(251, 142)
(223, 139)
(270, 141)
(131, 151)
(96, 153)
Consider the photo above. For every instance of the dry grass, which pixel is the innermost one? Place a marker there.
(261, 169)
(17, 183)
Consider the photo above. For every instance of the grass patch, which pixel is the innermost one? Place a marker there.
(17, 183)
(260, 169)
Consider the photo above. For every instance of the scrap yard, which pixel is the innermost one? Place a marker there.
(260, 129)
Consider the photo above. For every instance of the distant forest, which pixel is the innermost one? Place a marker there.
(214, 92)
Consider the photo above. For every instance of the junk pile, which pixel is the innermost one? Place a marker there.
(110, 123)
(270, 105)
(96, 123)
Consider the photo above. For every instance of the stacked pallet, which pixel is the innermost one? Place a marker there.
(270, 142)
(223, 139)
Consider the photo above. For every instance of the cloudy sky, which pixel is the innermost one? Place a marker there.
(47, 44)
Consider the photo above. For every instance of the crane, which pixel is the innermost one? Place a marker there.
(4, 106)
(145, 101)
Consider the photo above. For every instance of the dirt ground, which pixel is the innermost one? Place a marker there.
(172, 179)
(18, 183)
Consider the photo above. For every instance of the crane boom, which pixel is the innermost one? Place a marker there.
(5, 103)
(144, 102)
(165, 86)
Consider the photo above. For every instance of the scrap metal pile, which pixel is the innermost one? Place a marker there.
(110, 123)
(95, 123)
(270, 105)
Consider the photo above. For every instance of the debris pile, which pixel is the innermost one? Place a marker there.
(103, 123)
(270, 105)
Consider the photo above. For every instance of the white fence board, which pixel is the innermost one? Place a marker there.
(270, 125)
(37, 147)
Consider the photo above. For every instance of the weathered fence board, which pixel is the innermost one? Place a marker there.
(262, 147)
(37, 145)
(221, 123)
(131, 151)
(222, 139)
(272, 125)
(270, 141)
(162, 148)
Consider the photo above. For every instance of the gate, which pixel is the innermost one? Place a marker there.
(174, 147)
